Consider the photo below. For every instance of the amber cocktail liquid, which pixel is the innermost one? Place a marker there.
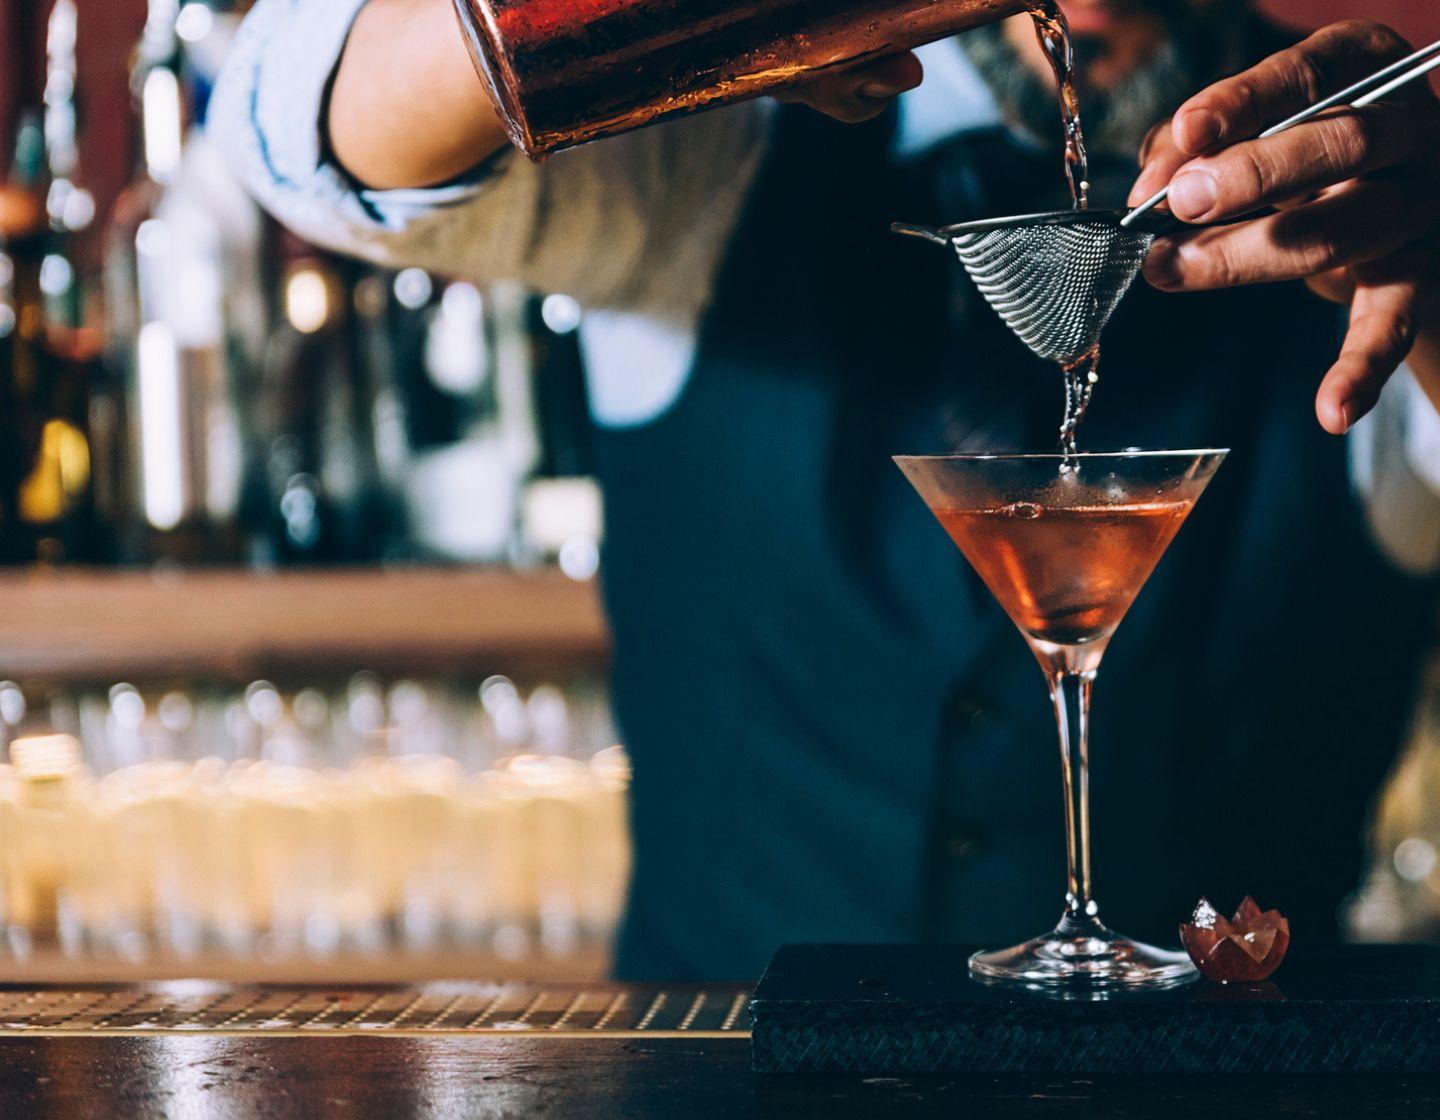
(1065, 543)
(1065, 575)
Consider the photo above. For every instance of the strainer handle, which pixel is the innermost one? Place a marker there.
(926, 233)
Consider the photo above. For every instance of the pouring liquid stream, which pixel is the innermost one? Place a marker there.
(1080, 379)
(1053, 33)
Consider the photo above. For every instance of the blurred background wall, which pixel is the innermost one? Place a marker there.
(1418, 19)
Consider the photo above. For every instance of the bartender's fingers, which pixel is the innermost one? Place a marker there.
(861, 92)
(1382, 331)
(1242, 107)
(1353, 224)
(1340, 145)
(1159, 160)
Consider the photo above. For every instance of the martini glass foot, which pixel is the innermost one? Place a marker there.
(1084, 955)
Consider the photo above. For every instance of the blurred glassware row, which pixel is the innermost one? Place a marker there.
(210, 389)
(362, 817)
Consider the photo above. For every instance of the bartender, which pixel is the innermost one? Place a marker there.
(837, 735)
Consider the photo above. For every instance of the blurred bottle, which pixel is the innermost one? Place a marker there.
(390, 345)
(561, 514)
(325, 500)
(22, 322)
(47, 459)
(1400, 896)
(562, 403)
(80, 466)
(462, 489)
(500, 426)
(182, 292)
(206, 184)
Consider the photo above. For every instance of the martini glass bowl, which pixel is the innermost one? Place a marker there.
(1065, 543)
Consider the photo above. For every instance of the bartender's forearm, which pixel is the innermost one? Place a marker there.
(407, 108)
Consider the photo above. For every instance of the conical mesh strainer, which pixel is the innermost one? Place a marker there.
(1054, 278)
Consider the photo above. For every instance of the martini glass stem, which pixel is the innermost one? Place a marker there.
(1071, 693)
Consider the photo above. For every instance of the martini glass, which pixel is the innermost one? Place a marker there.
(1065, 543)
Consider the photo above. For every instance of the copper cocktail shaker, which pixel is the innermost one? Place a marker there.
(562, 72)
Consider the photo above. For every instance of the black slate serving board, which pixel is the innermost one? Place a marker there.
(905, 1009)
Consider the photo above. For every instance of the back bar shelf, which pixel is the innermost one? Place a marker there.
(62, 625)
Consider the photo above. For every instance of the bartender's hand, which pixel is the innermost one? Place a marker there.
(1358, 193)
(861, 92)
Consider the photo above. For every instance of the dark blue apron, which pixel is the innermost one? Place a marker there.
(837, 734)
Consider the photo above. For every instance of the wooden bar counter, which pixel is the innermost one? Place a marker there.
(449, 1049)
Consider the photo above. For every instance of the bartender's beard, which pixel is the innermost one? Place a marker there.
(1116, 119)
